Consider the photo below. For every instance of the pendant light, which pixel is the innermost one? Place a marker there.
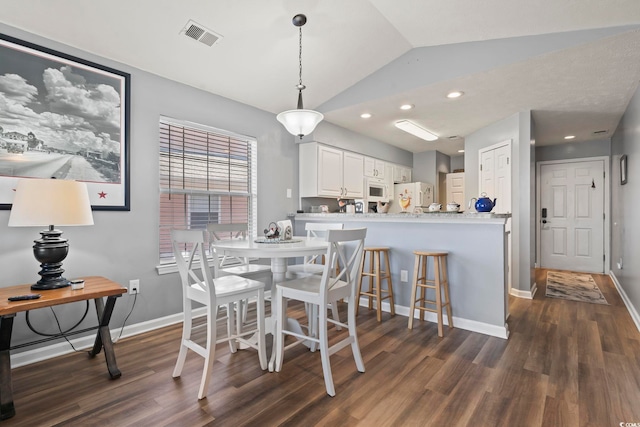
(300, 122)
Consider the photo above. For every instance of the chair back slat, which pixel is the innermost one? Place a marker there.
(346, 248)
(191, 259)
(235, 231)
(319, 229)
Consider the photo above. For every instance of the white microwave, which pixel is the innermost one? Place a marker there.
(377, 190)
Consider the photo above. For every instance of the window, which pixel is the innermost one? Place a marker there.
(206, 175)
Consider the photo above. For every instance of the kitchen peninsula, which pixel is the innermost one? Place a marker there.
(477, 261)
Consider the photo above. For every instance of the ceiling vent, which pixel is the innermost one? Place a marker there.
(598, 132)
(200, 33)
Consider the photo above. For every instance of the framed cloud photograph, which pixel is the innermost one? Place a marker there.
(63, 117)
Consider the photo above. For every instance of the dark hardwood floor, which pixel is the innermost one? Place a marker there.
(565, 364)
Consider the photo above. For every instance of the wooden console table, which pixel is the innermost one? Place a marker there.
(95, 288)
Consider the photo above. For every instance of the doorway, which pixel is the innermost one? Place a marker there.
(572, 214)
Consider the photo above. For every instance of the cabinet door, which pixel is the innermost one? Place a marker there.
(401, 174)
(353, 180)
(374, 168)
(329, 172)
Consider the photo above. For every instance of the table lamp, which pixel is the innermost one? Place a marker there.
(45, 202)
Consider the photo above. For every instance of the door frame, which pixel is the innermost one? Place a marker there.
(607, 204)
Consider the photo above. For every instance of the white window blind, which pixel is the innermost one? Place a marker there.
(206, 175)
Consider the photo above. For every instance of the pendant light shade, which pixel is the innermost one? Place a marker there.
(300, 122)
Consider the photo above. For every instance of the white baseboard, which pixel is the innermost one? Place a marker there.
(459, 322)
(524, 294)
(86, 342)
(627, 302)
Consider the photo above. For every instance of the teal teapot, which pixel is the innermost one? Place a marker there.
(483, 204)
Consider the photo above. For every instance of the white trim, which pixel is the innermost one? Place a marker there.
(627, 302)
(86, 342)
(607, 204)
(466, 324)
(524, 294)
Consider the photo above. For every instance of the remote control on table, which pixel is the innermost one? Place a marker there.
(24, 297)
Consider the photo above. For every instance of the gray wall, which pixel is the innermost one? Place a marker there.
(625, 228)
(574, 150)
(457, 162)
(124, 245)
(517, 128)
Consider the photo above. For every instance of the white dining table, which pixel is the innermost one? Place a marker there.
(278, 252)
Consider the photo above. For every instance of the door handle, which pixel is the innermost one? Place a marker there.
(544, 221)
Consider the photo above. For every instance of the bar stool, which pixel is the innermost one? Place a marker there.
(439, 283)
(376, 276)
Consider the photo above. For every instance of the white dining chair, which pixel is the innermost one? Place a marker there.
(311, 264)
(319, 290)
(199, 286)
(239, 266)
(314, 264)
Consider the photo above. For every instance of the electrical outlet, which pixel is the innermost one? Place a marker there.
(134, 286)
(404, 276)
(288, 193)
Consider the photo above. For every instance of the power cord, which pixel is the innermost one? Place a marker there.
(135, 298)
(61, 333)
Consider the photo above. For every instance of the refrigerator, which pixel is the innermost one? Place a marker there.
(411, 195)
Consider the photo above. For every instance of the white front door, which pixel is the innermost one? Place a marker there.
(572, 216)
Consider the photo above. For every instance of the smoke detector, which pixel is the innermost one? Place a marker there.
(200, 33)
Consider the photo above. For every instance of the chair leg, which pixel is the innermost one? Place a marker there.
(212, 314)
(355, 347)
(445, 279)
(357, 301)
(392, 304)
(414, 289)
(324, 354)
(436, 272)
(335, 314)
(187, 325)
(378, 287)
(262, 346)
(232, 327)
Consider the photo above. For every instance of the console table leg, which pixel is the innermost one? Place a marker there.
(7, 410)
(103, 336)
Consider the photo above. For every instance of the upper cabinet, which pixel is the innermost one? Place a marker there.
(329, 172)
(401, 174)
(374, 168)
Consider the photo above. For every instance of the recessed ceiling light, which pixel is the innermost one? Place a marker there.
(406, 107)
(365, 115)
(416, 130)
(569, 137)
(460, 151)
(455, 94)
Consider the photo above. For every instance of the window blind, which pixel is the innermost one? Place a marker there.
(206, 175)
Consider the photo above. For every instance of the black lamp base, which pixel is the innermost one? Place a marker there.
(50, 250)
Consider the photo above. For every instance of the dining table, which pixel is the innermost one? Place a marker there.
(278, 251)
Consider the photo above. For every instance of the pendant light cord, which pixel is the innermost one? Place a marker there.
(300, 57)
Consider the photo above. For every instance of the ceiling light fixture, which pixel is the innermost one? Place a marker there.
(406, 107)
(365, 115)
(416, 130)
(569, 137)
(455, 94)
(300, 122)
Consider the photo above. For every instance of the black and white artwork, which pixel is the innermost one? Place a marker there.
(63, 117)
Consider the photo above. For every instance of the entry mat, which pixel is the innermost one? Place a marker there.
(574, 287)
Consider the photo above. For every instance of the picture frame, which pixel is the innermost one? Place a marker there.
(623, 169)
(63, 117)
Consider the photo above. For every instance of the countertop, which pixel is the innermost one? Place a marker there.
(442, 216)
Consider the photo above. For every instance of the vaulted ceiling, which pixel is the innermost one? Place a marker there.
(575, 64)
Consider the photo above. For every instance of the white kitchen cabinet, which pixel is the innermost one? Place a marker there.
(329, 172)
(401, 174)
(374, 168)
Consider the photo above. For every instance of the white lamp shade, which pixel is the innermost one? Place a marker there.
(300, 122)
(44, 202)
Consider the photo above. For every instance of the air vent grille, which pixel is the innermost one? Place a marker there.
(200, 33)
(599, 132)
